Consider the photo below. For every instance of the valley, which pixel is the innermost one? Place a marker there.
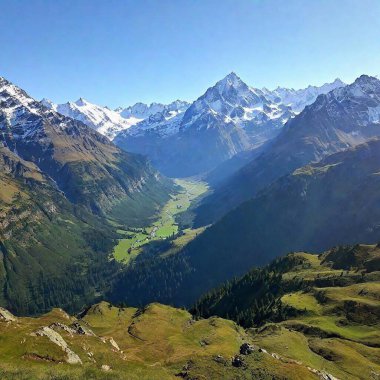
(165, 225)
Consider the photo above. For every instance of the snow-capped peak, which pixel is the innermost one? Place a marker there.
(110, 122)
(364, 86)
(16, 108)
(165, 122)
(361, 101)
(230, 100)
(9, 91)
(47, 103)
(230, 80)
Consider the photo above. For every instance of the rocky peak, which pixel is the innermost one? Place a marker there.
(230, 80)
(81, 102)
(47, 103)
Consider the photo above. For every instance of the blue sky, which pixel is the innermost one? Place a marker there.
(120, 52)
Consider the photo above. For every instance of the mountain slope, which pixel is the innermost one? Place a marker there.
(59, 180)
(227, 119)
(155, 342)
(343, 118)
(42, 238)
(89, 169)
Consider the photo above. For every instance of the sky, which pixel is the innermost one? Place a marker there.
(118, 52)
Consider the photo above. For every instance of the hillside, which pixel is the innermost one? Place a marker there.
(340, 119)
(42, 236)
(323, 310)
(156, 342)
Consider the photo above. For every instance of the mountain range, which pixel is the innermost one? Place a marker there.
(110, 122)
(227, 119)
(269, 204)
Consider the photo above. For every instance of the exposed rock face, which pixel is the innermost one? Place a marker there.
(61, 326)
(106, 368)
(114, 344)
(53, 336)
(6, 316)
(81, 329)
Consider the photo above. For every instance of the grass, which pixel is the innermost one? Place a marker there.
(154, 343)
(344, 359)
(302, 301)
(164, 226)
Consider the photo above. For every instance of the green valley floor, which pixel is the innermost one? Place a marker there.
(164, 226)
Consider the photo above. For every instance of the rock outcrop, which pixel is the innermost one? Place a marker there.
(54, 337)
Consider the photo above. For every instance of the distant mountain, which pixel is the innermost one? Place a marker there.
(102, 119)
(229, 118)
(343, 118)
(110, 122)
(333, 202)
(142, 111)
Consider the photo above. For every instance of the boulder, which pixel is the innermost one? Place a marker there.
(238, 361)
(6, 316)
(246, 349)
